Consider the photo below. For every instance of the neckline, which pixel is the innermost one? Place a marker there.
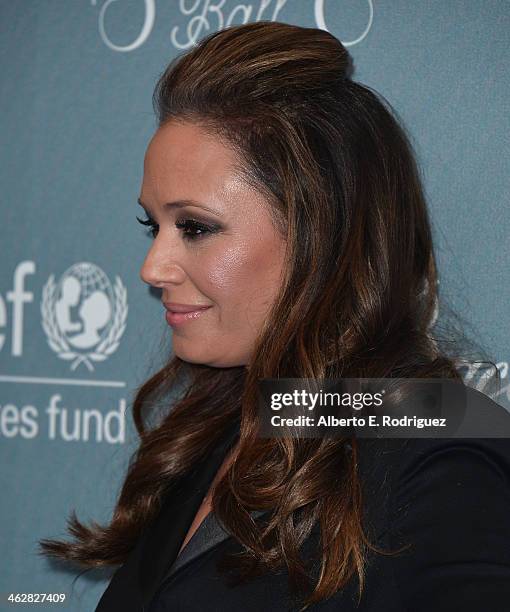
(204, 524)
(199, 527)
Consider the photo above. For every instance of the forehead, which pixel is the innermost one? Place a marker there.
(185, 156)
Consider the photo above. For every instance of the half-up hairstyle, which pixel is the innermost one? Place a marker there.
(358, 300)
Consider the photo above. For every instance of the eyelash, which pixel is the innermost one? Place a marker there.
(183, 224)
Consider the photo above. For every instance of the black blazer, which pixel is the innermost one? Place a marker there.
(449, 498)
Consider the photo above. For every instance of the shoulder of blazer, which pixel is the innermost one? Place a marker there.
(385, 466)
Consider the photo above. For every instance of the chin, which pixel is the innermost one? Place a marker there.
(189, 356)
(200, 353)
(202, 359)
(192, 352)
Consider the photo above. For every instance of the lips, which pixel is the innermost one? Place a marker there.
(175, 307)
(177, 314)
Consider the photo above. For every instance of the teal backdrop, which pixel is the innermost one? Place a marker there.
(79, 330)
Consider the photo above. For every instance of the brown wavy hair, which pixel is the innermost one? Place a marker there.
(358, 300)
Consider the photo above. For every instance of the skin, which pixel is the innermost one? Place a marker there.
(237, 269)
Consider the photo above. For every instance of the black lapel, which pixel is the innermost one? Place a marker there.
(209, 534)
(165, 536)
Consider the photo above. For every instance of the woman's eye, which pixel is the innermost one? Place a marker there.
(154, 227)
(193, 229)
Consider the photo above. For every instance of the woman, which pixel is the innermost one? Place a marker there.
(288, 216)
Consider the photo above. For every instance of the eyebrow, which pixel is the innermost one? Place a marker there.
(182, 204)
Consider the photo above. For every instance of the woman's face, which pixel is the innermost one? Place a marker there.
(214, 244)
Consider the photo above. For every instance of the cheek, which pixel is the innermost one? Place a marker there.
(244, 280)
(224, 270)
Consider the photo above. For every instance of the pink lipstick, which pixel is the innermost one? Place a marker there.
(177, 314)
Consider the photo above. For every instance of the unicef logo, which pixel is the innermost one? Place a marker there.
(83, 316)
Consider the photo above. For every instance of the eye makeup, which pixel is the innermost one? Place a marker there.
(192, 229)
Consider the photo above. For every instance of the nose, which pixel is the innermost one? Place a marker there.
(161, 266)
